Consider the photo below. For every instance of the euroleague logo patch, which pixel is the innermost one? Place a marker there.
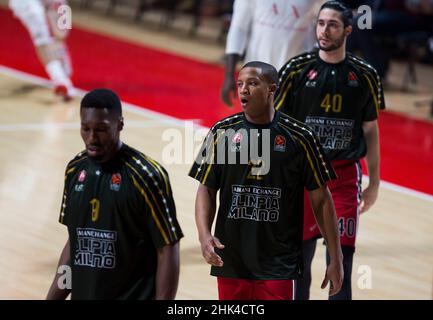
(280, 143)
(236, 140)
(116, 180)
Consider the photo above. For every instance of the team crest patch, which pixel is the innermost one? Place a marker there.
(353, 79)
(280, 143)
(311, 83)
(116, 180)
(82, 176)
(237, 138)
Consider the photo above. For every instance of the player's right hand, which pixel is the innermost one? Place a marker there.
(228, 91)
(369, 197)
(208, 251)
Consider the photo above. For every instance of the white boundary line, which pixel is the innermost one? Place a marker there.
(407, 191)
(404, 190)
(179, 123)
(72, 125)
(80, 93)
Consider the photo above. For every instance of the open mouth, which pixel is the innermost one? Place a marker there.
(244, 101)
(92, 150)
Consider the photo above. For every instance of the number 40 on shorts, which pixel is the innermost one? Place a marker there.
(347, 226)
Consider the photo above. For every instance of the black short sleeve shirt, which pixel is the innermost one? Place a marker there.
(333, 99)
(117, 214)
(260, 215)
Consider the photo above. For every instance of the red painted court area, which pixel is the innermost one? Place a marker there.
(188, 89)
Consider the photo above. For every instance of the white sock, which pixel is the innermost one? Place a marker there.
(65, 58)
(57, 73)
(66, 63)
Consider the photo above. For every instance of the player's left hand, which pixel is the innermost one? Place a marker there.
(369, 197)
(334, 275)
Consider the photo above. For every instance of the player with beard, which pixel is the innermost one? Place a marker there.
(339, 96)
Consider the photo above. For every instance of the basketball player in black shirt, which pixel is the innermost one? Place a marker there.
(339, 97)
(121, 218)
(260, 161)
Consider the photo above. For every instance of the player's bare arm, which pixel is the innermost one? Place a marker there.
(324, 212)
(372, 159)
(205, 207)
(55, 293)
(167, 273)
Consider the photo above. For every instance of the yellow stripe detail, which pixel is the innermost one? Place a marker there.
(201, 150)
(69, 171)
(210, 164)
(207, 156)
(297, 66)
(277, 98)
(197, 172)
(165, 178)
(280, 102)
(309, 145)
(213, 134)
(369, 71)
(374, 95)
(157, 168)
(158, 224)
(62, 210)
(231, 124)
(310, 161)
(203, 181)
(288, 66)
(213, 157)
(236, 115)
(153, 196)
(78, 160)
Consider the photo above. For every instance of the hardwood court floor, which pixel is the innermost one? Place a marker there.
(39, 135)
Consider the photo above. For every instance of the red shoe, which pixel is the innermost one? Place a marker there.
(62, 91)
